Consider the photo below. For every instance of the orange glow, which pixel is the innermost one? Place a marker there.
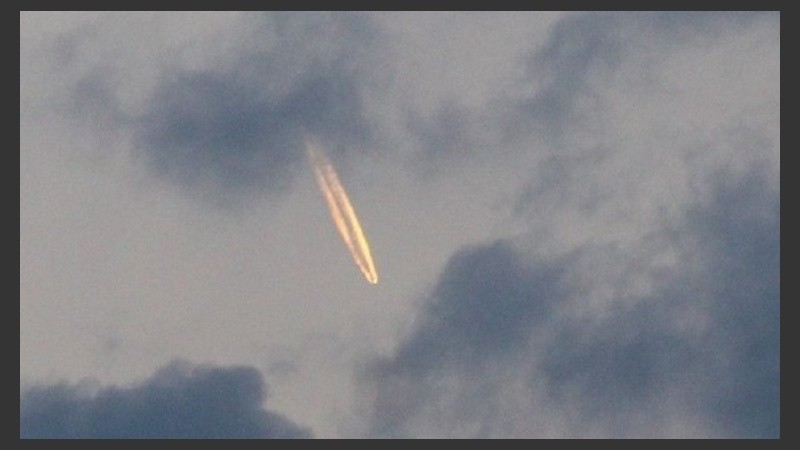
(342, 212)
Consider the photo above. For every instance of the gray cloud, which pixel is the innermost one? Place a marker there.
(586, 47)
(729, 369)
(178, 401)
(606, 339)
(577, 45)
(479, 314)
(237, 125)
(705, 342)
(563, 92)
(483, 304)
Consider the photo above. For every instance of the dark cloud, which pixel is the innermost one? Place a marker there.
(242, 128)
(743, 238)
(237, 126)
(705, 342)
(207, 127)
(478, 315)
(729, 369)
(483, 304)
(178, 401)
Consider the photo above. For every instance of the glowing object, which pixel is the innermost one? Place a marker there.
(342, 212)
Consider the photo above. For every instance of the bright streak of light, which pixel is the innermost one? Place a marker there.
(342, 212)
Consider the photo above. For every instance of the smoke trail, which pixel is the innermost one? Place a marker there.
(342, 212)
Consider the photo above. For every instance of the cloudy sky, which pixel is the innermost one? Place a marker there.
(574, 216)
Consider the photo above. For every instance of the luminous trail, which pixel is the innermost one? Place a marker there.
(342, 212)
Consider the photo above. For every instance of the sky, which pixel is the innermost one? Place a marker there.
(575, 220)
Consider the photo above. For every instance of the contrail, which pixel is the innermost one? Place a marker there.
(342, 212)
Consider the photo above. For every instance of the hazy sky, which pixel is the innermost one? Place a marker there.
(574, 216)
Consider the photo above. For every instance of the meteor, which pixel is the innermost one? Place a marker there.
(342, 212)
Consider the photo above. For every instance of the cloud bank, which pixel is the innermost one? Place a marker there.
(178, 401)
